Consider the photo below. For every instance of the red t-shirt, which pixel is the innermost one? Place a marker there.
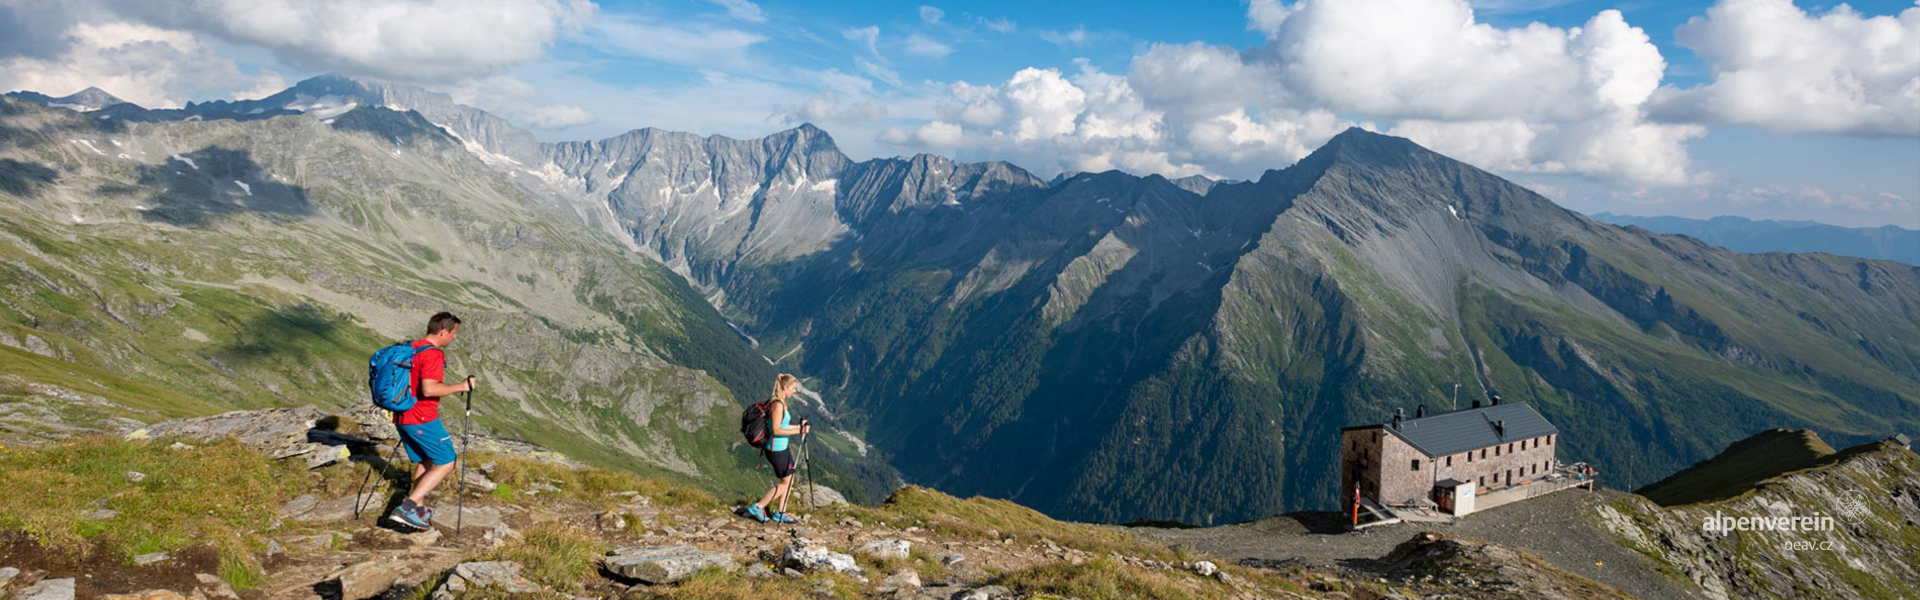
(429, 363)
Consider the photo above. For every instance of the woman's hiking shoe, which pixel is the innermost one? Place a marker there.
(781, 516)
(409, 517)
(752, 511)
(426, 514)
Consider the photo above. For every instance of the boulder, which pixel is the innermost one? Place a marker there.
(311, 543)
(135, 476)
(147, 559)
(369, 579)
(326, 455)
(886, 549)
(274, 431)
(7, 574)
(1205, 568)
(760, 571)
(655, 565)
(817, 496)
(610, 521)
(48, 589)
(807, 557)
(495, 576)
(991, 592)
(212, 586)
(311, 509)
(905, 579)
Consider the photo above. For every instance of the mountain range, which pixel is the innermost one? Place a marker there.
(1740, 234)
(1102, 347)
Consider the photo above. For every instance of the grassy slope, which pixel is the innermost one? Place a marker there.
(580, 339)
(1740, 467)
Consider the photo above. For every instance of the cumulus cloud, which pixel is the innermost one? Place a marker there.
(1776, 66)
(921, 45)
(931, 15)
(139, 63)
(1531, 98)
(419, 40)
(1092, 120)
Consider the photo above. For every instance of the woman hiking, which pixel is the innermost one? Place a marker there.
(780, 420)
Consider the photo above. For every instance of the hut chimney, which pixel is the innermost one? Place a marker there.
(1420, 411)
(1396, 417)
(1476, 404)
(1495, 397)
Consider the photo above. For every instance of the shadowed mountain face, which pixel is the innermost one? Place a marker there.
(1115, 347)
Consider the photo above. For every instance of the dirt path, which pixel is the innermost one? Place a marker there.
(1559, 528)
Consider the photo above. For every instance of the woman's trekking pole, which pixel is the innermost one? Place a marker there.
(466, 440)
(395, 451)
(806, 460)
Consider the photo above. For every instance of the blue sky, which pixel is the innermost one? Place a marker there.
(1761, 108)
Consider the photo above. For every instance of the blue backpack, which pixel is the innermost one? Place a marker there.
(390, 376)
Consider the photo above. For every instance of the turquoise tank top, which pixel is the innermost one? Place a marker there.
(780, 441)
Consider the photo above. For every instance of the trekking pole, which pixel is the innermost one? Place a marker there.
(392, 452)
(466, 442)
(806, 460)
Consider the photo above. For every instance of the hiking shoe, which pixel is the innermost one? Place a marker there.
(753, 512)
(408, 517)
(781, 516)
(426, 514)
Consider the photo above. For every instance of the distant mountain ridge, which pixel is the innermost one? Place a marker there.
(1740, 234)
(1114, 347)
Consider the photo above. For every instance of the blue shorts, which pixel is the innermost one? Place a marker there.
(428, 442)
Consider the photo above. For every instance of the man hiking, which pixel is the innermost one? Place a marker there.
(780, 422)
(427, 441)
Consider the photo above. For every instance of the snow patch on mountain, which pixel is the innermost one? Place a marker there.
(89, 146)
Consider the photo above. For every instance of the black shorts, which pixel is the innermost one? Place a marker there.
(782, 462)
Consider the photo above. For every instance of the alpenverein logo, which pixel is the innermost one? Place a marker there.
(1853, 508)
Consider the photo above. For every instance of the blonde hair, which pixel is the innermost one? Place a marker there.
(782, 382)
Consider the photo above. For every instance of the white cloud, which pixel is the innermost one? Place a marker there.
(868, 37)
(1076, 38)
(743, 10)
(267, 83)
(1044, 104)
(1001, 25)
(557, 116)
(690, 45)
(1531, 98)
(830, 107)
(420, 40)
(146, 65)
(931, 15)
(519, 102)
(1776, 66)
(922, 45)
